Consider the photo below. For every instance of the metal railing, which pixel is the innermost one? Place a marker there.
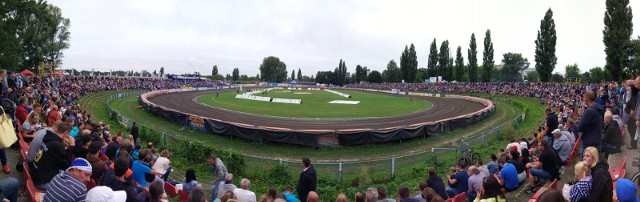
(347, 171)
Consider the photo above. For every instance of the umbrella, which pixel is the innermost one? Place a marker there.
(27, 72)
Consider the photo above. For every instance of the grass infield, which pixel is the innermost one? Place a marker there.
(315, 104)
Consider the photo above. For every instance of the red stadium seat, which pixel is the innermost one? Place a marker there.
(170, 190)
(184, 196)
(34, 193)
(553, 185)
(620, 171)
(459, 198)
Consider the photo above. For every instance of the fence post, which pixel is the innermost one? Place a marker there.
(393, 167)
(340, 172)
(162, 140)
(482, 138)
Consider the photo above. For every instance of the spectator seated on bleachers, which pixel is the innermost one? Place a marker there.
(545, 168)
(491, 191)
(493, 165)
(119, 183)
(459, 181)
(69, 185)
(475, 182)
(569, 135)
(508, 177)
(52, 157)
(514, 159)
(611, 141)
(561, 146)
(626, 191)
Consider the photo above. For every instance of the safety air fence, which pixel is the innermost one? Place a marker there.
(351, 171)
(317, 138)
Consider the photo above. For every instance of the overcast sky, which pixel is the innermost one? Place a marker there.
(188, 36)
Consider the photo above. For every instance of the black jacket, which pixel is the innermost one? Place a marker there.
(591, 126)
(307, 182)
(612, 134)
(51, 158)
(436, 183)
(601, 183)
(132, 191)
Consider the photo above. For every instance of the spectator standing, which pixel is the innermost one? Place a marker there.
(308, 180)
(551, 124)
(591, 124)
(134, 133)
(221, 173)
(629, 111)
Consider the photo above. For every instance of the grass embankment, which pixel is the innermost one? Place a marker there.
(315, 104)
(356, 177)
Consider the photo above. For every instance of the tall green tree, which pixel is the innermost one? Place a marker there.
(358, 75)
(443, 61)
(293, 74)
(459, 65)
(374, 77)
(532, 76)
(556, 77)
(546, 47)
(214, 71)
(392, 74)
(235, 75)
(299, 74)
(432, 62)
(340, 73)
(618, 28)
(633, 50)
(325, 77)
(597, 75)
(409, 63)
(513, 64)
(572, 71)
(273, 70)
(472, 54)
(487, 57)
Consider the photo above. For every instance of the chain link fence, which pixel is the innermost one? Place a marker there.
(354, 172)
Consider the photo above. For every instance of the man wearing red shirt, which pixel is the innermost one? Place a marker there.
(21, 110)
(53, 115)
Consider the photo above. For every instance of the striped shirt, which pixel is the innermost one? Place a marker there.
(64, 187)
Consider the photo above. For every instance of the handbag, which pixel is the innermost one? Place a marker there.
(7, 132)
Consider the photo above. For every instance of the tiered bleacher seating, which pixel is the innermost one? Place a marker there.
(573, 151)
(552, 186)
(458, 198)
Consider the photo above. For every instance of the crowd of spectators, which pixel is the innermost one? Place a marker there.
(72, 158)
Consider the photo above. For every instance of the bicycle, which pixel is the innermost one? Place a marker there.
(469, 157)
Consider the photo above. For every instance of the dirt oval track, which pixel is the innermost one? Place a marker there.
(442, 108)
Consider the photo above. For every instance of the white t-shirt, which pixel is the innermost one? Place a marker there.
(245, 195)
(161, 165)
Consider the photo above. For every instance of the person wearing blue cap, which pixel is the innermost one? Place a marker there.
(69, 185)
(626, 190)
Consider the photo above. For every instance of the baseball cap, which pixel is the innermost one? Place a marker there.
(80, 164)
(556, 131)
(105, 194)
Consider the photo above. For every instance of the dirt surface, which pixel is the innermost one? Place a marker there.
(441, 108)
